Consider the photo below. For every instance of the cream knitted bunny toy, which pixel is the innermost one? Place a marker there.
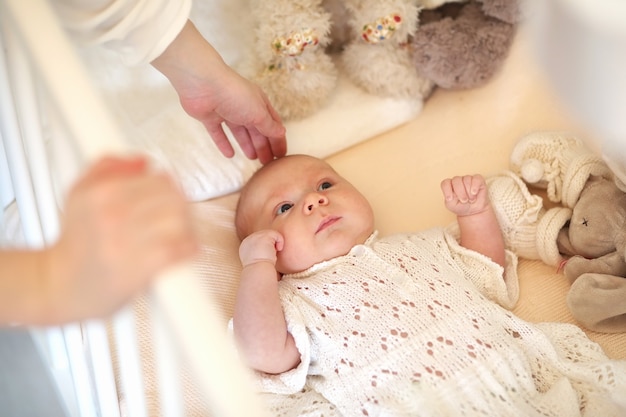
(589, 226)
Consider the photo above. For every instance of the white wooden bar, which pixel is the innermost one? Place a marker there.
(14, 148)
(168, 364)
(101, 363)
(30, 123)
(131, 373)
(80, 373)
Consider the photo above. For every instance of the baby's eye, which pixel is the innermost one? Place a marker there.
(325, 185)
(283, 208)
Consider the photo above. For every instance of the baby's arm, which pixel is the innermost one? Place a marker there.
(467, 197)
(259, 322)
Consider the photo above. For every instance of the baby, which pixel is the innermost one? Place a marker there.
(399, 325)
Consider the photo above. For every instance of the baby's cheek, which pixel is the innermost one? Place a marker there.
(291, 260)
(285, 263)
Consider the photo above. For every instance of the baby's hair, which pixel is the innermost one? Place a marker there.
(241, 223)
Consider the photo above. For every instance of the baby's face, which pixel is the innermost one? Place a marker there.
(319, 214)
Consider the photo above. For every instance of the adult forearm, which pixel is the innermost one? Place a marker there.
(23, 288)
(187, 60)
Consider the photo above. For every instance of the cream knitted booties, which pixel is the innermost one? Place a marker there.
(558, 162)
(529, 230)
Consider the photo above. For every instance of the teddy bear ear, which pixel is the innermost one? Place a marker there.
(563, 242)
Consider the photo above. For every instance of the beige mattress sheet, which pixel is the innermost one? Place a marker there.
(457, 132)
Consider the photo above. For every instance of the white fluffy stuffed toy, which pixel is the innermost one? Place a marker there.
(292, 60)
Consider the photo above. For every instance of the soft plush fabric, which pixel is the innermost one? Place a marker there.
(461, 45)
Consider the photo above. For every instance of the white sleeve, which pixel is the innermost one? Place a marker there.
(139, 30)
(498, 284)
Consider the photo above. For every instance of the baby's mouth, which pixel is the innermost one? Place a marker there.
(326, 222)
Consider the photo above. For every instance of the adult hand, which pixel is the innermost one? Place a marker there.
(123, 223)
(212, 92)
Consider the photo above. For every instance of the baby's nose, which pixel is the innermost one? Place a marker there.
(320, 201)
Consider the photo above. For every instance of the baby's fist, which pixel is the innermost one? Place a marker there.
(465, 195)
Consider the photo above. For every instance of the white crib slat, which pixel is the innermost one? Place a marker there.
(52, 346)
(14, 148)
(168, 367)
(32, 134)
(192, 318)
(66, 80)
(80, 372)
(6, 188)
(131, 373)
(101, 365)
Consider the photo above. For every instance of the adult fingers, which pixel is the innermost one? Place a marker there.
(262, 146)
(216, 131)
(113, 165)
(242, 136)
(278, 143)
(270, 125)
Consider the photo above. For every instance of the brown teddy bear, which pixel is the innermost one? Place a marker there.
(587, 232)
(462, 44)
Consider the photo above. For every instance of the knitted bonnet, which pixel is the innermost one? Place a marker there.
(558, 162)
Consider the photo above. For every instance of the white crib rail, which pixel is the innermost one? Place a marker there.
(186, 317)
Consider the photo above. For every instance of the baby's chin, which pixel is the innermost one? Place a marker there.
(300, 267)
(332, 248)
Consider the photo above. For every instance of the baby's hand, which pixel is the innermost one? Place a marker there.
(260, 246)
(466, 195)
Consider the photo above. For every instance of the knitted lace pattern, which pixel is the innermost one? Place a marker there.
(418, 325)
